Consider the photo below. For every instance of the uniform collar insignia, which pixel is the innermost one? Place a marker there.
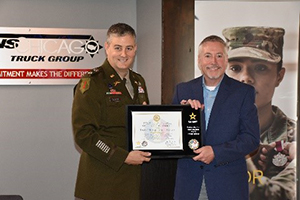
(116, 83)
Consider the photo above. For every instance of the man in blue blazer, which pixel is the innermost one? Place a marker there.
(230, 130)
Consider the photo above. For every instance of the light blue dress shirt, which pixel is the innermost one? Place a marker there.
(209, 96)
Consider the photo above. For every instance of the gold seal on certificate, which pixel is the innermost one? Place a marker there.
(193, 144)
(156, 118)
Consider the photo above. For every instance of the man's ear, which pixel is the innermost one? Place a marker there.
(280, 76)
(105, 45)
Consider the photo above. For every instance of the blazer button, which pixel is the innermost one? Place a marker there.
(201, 167)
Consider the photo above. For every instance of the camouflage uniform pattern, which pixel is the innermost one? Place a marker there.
(279, 183)
(264, 43)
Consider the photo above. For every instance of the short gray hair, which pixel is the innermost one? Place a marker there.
(213, 38)
(120, 29)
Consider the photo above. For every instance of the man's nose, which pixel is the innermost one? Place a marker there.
(214, 60)
(123, 52)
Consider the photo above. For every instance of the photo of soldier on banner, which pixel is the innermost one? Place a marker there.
(262, 53)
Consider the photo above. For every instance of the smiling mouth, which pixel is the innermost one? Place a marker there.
(123, 60)
(214, 67)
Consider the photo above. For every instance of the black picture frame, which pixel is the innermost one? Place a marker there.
(190, 129)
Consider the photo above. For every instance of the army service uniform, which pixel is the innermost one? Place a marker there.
(98, 119)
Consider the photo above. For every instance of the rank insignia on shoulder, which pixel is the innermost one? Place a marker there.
(93, 71)
(85, 84)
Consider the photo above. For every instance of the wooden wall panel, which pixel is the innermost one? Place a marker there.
(177, 45)
(158, 176)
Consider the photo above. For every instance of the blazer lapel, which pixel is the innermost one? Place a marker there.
(197, 90)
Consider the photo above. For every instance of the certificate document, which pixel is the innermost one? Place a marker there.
(157, 130)
(167, 131)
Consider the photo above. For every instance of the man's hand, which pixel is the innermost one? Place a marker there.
(137, 157)
(206, 154)
(194, 103)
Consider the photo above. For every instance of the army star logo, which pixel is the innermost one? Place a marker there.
(193, 116)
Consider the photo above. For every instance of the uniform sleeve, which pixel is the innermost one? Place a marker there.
(88, 134)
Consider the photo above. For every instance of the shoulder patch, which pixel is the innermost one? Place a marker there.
(85, 84)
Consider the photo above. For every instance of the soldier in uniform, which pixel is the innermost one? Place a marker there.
(107, 170)
(255, 58)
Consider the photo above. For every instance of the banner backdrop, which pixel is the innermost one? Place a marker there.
(37, 56)
(262, 39)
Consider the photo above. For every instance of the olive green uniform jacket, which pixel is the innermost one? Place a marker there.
(99, 127)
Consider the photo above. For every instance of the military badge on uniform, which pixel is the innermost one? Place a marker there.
(85, 84)
(114, 99)
(116, 83)
(279, 159)
(112, 90)
(141, 90)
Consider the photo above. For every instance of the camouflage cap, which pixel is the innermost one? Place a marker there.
(264, 43)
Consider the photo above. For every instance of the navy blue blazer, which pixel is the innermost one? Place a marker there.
(232, 131)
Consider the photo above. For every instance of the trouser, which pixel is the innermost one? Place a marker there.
(203, 193)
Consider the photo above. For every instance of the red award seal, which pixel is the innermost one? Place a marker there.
(279, 159)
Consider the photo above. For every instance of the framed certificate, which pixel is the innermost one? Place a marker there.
(167, 131)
